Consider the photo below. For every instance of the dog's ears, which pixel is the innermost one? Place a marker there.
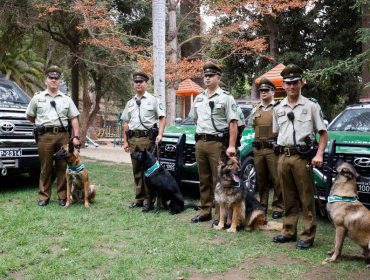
(71, 147)
(223, 156)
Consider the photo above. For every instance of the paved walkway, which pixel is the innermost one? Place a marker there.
(107, 152)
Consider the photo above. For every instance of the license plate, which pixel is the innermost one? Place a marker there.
(10, 152)
(170, 166)
(363, 185)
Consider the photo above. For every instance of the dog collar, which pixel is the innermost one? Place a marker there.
(77, 168)
(150, 170)
(336, 198)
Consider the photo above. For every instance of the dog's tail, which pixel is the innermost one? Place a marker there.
(192, 206)
(272, 225)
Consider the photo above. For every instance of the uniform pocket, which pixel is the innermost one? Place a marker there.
(148, 110)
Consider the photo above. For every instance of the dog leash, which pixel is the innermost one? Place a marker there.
(156, 148)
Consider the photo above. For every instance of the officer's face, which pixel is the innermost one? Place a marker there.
(266, 94)
(211, 80)
(293, 88)
(52, 83)
(140, 86)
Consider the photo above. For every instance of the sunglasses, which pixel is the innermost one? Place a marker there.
(209, 75)
(292, 83)
(138, 82)
(53, 78)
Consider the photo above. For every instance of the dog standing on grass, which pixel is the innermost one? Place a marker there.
(237, 201)
(350, 217)
(78, 186)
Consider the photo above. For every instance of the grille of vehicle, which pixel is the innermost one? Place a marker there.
(189, 154)
(350, 158)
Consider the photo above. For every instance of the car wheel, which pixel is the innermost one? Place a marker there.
(248, 174)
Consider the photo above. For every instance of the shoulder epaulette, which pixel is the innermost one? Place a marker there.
(36, 93)
(276, 103)
(226, 92)
(313, 99)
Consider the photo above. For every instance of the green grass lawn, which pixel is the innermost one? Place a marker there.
(111, 241)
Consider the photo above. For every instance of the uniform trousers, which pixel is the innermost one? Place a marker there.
(48, 144)
(265, 162)
(207, 154)
(139, 144)
(297, 185)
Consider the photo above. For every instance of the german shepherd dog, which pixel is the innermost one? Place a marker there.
(350, 217)
(161, 185)
(76, 174)
(237, 200)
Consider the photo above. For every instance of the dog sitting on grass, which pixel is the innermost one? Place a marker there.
(349, 216)
(238, 201)
(78, 186)
(161, 185)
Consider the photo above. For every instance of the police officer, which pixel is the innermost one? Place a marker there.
(140, 118)
(50, 110)
(265, 161)
(297, 119)
(214, 111)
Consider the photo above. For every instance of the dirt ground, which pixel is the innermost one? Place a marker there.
(107, 151)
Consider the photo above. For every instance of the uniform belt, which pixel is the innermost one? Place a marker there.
(138, 133)
(207, 137)
(263, 144)
(288, 151)
(54, 129)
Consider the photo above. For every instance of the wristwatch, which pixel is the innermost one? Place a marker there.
(77, 137)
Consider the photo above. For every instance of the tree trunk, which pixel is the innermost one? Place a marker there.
(365, 47)
(172, 59)
(159, 42)
(75, 80)
(86, 103)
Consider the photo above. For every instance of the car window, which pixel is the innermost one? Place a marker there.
(10, 94)
(188, 121)
(352, 120)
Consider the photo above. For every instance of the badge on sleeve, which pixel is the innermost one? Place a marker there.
(280, 114)
(234, 107)
(241, 116)
(161, 106)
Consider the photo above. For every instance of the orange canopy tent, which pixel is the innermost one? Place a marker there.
(274, 76)
(188, 88)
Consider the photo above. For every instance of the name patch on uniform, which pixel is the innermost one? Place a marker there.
(42, 100)
(200, 99)
(280, 114)
(304, 111)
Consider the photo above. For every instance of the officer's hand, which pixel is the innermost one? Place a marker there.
(317, 161)
(231, 151)
(76, 142)
(126, 147)
(158, 139)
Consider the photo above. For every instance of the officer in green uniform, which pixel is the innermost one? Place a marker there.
(214, 112)
(140, 118)
(265, 161)
(50, 110)
(297, 119)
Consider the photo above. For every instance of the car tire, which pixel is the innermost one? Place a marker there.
(248, 173)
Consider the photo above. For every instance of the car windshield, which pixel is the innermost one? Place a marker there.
(10, 94)
(352, 120)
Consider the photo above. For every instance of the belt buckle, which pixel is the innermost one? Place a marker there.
(55, 129)
(203, 137)
(136, 133)
(287, 151)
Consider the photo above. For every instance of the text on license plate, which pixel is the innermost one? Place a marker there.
(168, 165)
(10, 152)
(363, 186)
